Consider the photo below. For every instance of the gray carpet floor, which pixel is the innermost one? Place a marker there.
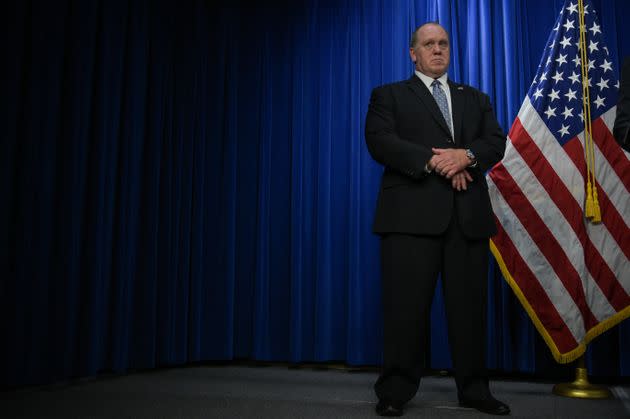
(280, 392)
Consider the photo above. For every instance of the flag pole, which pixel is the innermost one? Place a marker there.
(581, 388)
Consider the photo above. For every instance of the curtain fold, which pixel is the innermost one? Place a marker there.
(189, 181)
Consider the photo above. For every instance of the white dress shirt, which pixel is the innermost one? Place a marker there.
(443, 81)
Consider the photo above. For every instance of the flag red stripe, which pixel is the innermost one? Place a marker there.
(611, 218)
(612, 151)
(534, 292)
(613, 221)
(566, 203)
(544, 239)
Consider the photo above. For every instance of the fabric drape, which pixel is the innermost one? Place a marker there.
(188, 181)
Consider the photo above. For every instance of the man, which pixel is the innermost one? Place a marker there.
(622, 121)
(436, 139)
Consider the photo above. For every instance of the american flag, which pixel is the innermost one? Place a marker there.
(571, 275)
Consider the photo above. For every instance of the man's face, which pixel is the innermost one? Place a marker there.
(432, 51)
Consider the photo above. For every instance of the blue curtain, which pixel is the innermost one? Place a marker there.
(186, 181)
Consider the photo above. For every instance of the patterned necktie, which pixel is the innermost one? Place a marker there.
(440, 98)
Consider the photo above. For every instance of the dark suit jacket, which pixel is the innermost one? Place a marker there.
(621, 129)
(402, 125)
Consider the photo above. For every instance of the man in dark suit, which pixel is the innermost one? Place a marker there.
(621, 129)
(435, 138)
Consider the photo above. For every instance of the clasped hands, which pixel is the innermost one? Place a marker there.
(451, 163)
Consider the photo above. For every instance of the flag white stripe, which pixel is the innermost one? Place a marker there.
(553, 151)
(538, 264)
(562, 232)
(609, 250)
(564, 167)
(609, 120)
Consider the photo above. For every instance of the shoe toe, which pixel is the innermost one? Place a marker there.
(386, 408)
(491, 406)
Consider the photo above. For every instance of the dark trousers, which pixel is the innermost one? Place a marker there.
(410, 267)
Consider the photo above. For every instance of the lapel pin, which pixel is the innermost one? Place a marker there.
(460, 88)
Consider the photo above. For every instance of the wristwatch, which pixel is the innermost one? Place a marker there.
(471, 157)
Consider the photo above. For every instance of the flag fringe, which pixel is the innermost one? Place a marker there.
(562, 358)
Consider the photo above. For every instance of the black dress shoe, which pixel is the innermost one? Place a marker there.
(388, 408)
(489, 405)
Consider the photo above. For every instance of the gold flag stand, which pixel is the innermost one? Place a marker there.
(581, 388)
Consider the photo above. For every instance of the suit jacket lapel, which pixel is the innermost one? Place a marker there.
(457, 100)
(425, 96)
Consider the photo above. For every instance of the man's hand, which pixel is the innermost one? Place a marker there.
(460, 180)
(448, 161)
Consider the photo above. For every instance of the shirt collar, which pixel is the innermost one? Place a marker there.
(443, 79)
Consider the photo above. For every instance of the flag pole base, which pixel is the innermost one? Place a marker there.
(581, 388)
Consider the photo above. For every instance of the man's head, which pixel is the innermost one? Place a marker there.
(430, 49)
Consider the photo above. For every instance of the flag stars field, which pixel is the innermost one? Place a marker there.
(599, 102)
(568, 112)
(565, 43)
(568, 25)
(561, 59)
(550, 112)
(572, 8)
(603, 84)
(564, 130)
(558, 76)
(576, 60)
(606, 65)
(595, 29)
